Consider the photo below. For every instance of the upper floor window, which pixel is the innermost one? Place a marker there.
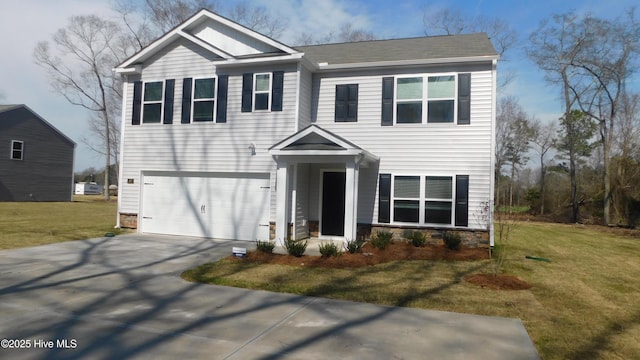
(436, 94)
(346, 103)
(262, 91)
(441, 98)
(204, 99)
(152, 102)
(17, 150)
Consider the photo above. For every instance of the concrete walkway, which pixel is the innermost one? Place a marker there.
(122, 297)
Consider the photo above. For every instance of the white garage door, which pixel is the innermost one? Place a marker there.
(224, 206)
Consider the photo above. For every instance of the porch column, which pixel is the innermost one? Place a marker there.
(351, 200)
(282, 202)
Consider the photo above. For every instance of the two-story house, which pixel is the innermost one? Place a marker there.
(36, 159)
(227, 133)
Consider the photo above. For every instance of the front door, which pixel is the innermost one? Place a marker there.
(333, 185)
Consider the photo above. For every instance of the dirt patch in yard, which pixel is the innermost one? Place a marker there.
(498, 282)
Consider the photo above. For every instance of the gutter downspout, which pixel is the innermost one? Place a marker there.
(125, 86)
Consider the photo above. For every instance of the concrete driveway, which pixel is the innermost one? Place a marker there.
(122, 297)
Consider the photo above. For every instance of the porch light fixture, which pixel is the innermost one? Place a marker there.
(252, 149)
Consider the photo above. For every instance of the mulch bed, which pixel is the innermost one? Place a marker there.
(373, 256)
(398, 251)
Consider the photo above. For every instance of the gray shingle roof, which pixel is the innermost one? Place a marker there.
(420, 48)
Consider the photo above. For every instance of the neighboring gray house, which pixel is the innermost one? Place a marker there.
(230, 134)
(36, 160)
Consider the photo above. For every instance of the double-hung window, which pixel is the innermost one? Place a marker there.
(17, 150)
(431, 196)
(152, 102)
(204, 99)
(438, 200)
(409, 100)
(262, 91)
(425, 99)
(441, 98)
(406, 204)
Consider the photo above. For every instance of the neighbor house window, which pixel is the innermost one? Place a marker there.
(406, 199)
(425, 99)
(438, 199)
(428, 195)
(152, 102)
(262, 91)
(204, 99)
(17, 150)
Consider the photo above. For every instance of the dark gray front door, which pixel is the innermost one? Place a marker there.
(333, 184)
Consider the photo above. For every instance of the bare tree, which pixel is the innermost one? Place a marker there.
(513, 133)
(346, 33)
(452, 22)
(166, 14)
(607, 60)
(543, 140)
(79, 61)
(257, 18)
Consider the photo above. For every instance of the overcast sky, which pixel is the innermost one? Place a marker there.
(23, 23)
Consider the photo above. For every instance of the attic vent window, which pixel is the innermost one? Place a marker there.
(17, 150)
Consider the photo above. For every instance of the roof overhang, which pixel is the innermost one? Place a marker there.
(412, 62)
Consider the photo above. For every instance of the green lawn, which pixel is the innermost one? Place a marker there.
(36, 223)
(584, 304)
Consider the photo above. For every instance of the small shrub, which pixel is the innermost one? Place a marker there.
(265, 246)
(381, 239)
(416, 238)
(295, 247)
(354, 246)
(329, 249)
(452, 240)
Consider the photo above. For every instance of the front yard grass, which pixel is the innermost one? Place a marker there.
(25, 224)
(583, 304)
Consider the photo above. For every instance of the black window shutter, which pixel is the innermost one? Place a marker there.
(464, 99)
(342, 93)
(384, 199)
(352, 102)
(462, 200)
(168, 101)
(277, 88)
(137, 102)
(221, 111)
(247, 92)
(387, 101)
(186, 101)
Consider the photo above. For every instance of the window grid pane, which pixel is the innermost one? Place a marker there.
(407, 187)
(410, 88)
(203, 111)
(406, 211)
(441, 87)
(152, 113)
(204, 89)
(438, 187)
(262, 82)
(153, 91)
(437, 212)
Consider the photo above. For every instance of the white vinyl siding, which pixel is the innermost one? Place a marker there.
(210, 147)
(445, 149)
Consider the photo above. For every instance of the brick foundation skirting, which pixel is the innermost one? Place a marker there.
(129, 221)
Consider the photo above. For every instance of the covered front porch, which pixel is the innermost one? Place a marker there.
(318, 185)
